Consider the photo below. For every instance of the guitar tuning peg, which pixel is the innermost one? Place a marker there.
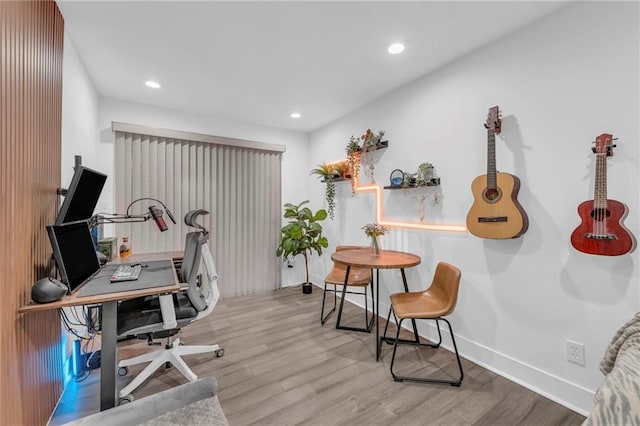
(593, 150)
(615, 139)
(614, 146)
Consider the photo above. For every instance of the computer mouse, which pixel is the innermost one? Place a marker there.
(48, 290)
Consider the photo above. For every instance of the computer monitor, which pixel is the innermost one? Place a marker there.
(74, 252)
(82, 195)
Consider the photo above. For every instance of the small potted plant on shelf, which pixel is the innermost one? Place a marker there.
(423, 177)
(424, 174)
(328, 174)
(302, 235)
(370, 143)
(408, 180)
(343, 169)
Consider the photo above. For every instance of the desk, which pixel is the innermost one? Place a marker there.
(388, 259)
(109, 302)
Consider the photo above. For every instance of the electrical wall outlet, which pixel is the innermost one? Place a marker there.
(575, 352)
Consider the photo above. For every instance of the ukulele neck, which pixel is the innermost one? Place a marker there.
(600, 190)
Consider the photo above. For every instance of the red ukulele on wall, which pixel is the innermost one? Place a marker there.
(601, 231)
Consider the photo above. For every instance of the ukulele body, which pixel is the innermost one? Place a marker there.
(589, 238)
(496, 212)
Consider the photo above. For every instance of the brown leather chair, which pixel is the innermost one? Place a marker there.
(433, 303)
(359, 278)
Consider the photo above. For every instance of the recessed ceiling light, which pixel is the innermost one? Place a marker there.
(296, 115)
(152, 84)
(396, 47)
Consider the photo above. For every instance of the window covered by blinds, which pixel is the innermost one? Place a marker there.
(236, 181)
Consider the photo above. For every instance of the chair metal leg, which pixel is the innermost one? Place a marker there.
(413, 321)
(398, 341)
(324, 318)
(386, 326)
(368, 322)
(414, 342)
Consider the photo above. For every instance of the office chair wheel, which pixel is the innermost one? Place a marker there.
(125, 399)
(220, 352)
(122, 371)
(168, 365)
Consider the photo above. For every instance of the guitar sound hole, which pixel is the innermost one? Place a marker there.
(600, 214)
(492, 195)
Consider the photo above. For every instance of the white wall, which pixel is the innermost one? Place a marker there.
(560, 82)
(79, 114)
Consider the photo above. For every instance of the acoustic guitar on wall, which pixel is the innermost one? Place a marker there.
(601, 231)
(495, 212)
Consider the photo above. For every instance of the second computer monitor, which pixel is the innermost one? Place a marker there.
(82, 195)
(74, 252)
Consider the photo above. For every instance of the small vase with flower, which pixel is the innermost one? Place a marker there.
(373, 231)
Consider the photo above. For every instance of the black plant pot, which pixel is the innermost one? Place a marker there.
(307, 288)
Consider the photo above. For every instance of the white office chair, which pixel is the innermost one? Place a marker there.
(163, 316)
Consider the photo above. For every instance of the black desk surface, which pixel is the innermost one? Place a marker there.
(163, 283)
(155, 273)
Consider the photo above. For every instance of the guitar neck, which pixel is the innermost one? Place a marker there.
(491, 159)
(600, 190)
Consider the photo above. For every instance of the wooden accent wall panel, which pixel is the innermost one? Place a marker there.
(31, 42)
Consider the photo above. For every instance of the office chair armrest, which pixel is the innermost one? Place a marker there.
(168, 311)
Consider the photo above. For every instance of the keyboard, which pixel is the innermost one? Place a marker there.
(126, 273)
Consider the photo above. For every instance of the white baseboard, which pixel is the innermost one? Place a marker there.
(568, 394)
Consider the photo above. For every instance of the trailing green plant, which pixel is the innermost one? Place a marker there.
(353, 160)
(328, 173)
(302, 234)
(353, 145)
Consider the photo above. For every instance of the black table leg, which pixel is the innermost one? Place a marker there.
(377, 310)
(108, 356)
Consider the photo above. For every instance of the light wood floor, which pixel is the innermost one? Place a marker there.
(281, 367)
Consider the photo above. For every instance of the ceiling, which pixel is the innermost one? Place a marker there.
(257, 62)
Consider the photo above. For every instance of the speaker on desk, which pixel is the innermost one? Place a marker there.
(48, 290)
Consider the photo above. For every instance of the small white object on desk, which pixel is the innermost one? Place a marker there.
(126, 273)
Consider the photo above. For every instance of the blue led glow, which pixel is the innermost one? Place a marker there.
(67, 362)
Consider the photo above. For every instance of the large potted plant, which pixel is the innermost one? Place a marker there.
(302, 235)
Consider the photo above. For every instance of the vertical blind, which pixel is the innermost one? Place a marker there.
(236, 181)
